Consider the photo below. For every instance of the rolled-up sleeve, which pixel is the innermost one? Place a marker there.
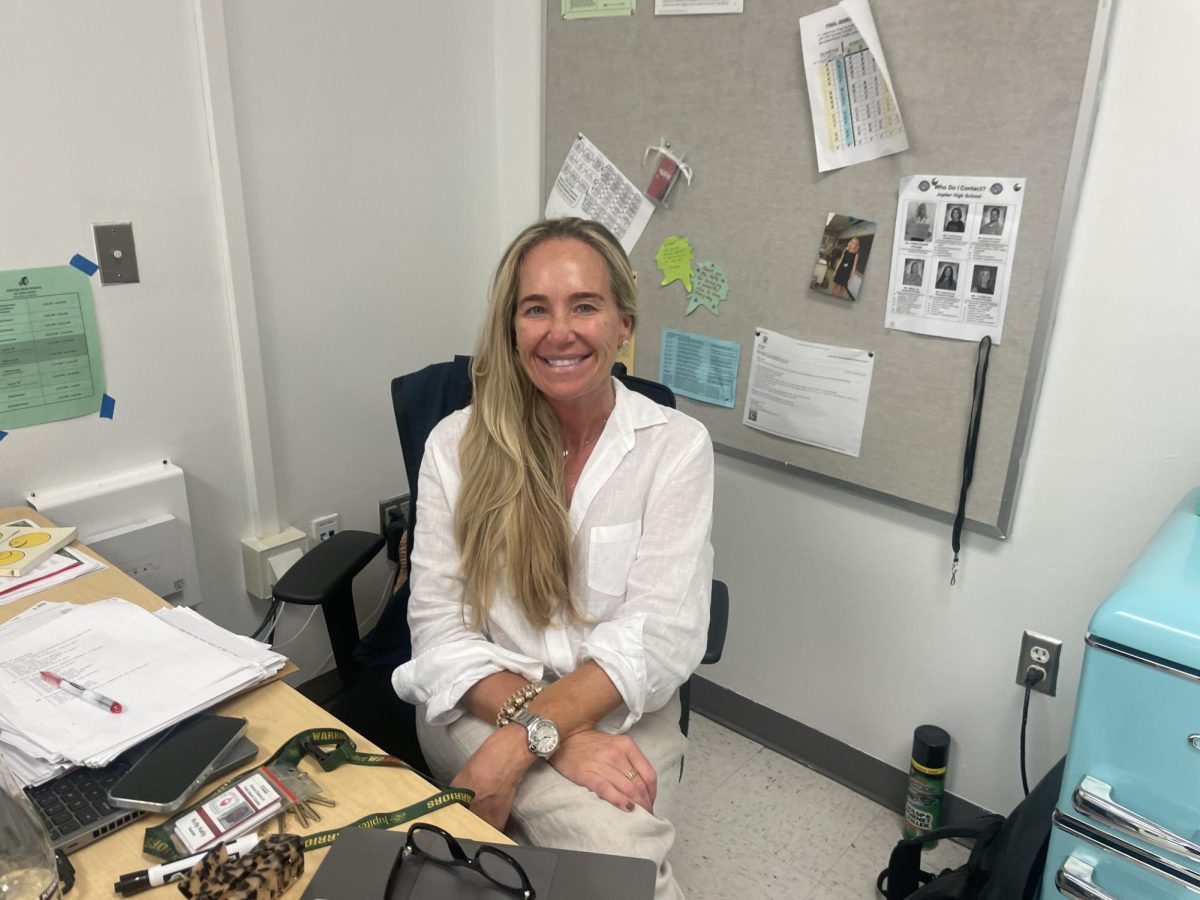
(449, 656)
(657, 636)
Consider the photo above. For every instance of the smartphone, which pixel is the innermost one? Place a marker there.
(236, 757)
(186, 756)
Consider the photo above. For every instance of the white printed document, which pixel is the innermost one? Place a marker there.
(812, 393)
(952, 258)
(853, 104)
(591, 187)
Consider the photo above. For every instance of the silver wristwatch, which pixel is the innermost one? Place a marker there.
(543, 734)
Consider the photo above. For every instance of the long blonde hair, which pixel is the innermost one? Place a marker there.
(511, 518)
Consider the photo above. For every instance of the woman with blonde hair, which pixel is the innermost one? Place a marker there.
(561, 566)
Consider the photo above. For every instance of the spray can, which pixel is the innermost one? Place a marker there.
(926, 780)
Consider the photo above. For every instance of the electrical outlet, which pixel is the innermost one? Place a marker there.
(1039, 651)
(393, 508)
(325, 527)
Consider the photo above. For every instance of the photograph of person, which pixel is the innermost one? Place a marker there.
(983, 280)
(956, 218)
(917, 225)
(842, 256)
(914, 272)
(947, 279)
(516, 556)
(993, 221)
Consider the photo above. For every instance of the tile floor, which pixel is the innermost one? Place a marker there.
(753, 824)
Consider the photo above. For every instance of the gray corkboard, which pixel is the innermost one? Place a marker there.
(1002, 89)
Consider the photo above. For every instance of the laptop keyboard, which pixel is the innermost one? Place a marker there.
(76, 804)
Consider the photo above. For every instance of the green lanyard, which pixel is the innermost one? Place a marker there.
(313, 743)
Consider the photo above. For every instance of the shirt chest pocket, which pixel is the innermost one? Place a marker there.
(611, 552)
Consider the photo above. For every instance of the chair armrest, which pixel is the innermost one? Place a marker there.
(327, 568)
(718, 621)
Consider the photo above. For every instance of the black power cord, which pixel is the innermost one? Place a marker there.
(1033, 675)
(272, 610)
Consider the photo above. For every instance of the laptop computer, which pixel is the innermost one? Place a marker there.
(75, 805)
(360, 860)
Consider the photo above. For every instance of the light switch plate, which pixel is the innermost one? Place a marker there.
(115, 253)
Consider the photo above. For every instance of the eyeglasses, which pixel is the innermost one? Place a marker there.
(439, 846)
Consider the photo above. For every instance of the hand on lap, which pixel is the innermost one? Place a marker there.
(603, 763)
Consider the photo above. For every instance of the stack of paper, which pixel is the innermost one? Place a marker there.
(161, 668)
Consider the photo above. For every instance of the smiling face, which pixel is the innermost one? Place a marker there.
(567, 325)
(852, 245)
(956, 214)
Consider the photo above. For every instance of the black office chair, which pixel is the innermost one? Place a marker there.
(325, 575)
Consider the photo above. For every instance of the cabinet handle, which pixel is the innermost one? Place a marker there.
(1093, 798)
(1074, 879)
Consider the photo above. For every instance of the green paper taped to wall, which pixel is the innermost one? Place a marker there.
(50, 363)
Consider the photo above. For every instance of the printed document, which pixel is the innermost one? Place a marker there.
(50, 364)
(591, 187)
(952, 257)
(812, 393)
(850, 94)
(699, 367)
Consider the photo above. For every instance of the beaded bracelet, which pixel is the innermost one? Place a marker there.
(517, 702)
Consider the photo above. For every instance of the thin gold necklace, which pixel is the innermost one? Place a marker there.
(590, 441)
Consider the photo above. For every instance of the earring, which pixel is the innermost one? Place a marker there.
(623, 344)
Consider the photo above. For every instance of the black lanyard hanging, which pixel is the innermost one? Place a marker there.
(981, 367)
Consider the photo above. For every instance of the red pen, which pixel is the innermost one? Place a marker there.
(83, 693)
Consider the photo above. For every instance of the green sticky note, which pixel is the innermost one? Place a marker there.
(710, 287)
(596, 9)
(674, 260)
(50, 365)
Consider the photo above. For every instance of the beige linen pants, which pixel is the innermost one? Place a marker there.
(550, 810)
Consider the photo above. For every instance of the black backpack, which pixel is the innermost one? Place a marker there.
(1006, 861)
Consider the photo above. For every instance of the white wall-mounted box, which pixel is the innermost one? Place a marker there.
(141, 517)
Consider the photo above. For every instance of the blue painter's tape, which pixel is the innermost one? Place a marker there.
(3, 435)
(84, 265)
(107, 405)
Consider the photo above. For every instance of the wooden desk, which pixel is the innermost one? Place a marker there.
(274, 712)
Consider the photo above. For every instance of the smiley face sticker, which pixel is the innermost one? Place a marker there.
(30, 539)
(10, 557)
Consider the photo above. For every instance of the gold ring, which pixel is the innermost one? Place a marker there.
(631, 774)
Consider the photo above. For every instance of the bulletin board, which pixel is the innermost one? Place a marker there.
(985, 89)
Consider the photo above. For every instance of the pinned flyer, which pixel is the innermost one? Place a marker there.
(854, 112)
(591, 187)
(953, 255)
(812, 393)
(674, 260)
(710, 288)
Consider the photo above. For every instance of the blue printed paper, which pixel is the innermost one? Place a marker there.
(700, 367)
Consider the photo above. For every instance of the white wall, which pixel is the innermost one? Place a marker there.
(843, 617)
(369, 149)
(370, 156)
(105, 121)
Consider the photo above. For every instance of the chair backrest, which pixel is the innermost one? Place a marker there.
(422, 399)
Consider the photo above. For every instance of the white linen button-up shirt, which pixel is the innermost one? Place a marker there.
(641, 522)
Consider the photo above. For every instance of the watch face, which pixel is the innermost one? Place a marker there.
(543, 737)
